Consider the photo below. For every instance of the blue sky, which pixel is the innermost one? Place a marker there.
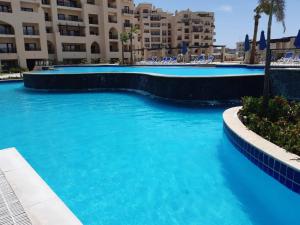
(234, 18)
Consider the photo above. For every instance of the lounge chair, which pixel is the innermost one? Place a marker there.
(199, 59)
(210, 59)
(287, 58)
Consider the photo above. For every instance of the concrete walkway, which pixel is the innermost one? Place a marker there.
(25, 198)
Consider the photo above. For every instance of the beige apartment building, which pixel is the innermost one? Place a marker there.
(88, 31)
(163, 33)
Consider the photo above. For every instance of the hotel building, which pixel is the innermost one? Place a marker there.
(88, 31)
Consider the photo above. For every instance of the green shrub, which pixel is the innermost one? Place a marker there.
(279, 123)
(17, 70)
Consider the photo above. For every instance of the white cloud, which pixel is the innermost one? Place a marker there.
(225, 8)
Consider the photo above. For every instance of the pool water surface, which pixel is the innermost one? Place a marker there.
(159, 70)
(122, 158)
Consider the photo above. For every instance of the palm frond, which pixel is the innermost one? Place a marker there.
(264, 6)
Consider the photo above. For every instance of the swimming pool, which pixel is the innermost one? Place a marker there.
(160, 70)
(170, 82)
(118, 158)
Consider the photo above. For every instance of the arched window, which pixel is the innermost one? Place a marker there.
(95, 49)
(113, 34)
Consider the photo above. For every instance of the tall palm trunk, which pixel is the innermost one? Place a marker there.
(131, 50)
(123, 62)
(266, 91)
(253, 50)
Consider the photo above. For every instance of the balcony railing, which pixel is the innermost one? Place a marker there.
(71, 33)
(127, 24)
(66, 49)
(111, 5)
(32, 49)
(73, 4)
(112, 20)
(46, 2)
(7, 31)
(31, 32)
(8, 50)
(5, 9)
(127, 11)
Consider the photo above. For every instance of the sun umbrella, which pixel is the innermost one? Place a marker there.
(247, 44)
(297, 40)
(184, 48)
(262, 41)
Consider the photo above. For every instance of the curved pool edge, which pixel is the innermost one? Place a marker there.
(273, 160)
(204, 88)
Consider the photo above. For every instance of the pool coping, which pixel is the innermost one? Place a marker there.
(272, 159)
(41, 204)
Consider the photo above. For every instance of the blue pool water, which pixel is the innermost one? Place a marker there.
(174, 70)
(121, 158)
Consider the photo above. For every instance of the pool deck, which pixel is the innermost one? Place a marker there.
(25, 198)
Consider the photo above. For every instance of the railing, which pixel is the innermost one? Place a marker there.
(127, 24)
(8, 50)
(79, 49)
(7, 31)
(46, 2)
(48, 18)
(34, 32)
(111, 5)
(111, 20)
(93, 21)
(91, 2)
(71, 33)
(73, 4)
(32, 49)
(113, 49)
(127, 11)
(5, 9)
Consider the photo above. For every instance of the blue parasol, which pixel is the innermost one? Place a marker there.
(184, 48)
(262, 41)
(297, 40)
(247, 44)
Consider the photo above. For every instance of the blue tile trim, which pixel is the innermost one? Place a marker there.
(278, 170)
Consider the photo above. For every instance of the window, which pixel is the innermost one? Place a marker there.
(7, 48)
(26, 9)
(30, 46)
(61, 16)
(49, 30)
(29, 30)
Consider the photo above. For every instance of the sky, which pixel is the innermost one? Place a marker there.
(234, 18)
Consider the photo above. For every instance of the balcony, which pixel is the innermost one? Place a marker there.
(46, 2)
(127, 25)
(6, 30)
(69, 18)
(112, 4)
(8, 50)
(32, 48)
(91, 2)
(31, 32)
(73, 48)
(93, 19)
(127, 11)
(5, 8)
(112, 19)
(68, 3)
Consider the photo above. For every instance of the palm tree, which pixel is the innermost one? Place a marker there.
(123, 38)
(132, 32)
(261, 8)
(276, 7)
